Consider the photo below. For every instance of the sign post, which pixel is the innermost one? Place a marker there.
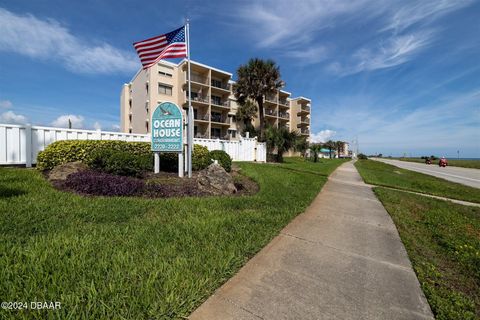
(167, 133)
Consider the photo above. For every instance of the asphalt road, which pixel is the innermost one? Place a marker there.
(466, 176)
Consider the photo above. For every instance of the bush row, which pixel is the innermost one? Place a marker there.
(123, 158)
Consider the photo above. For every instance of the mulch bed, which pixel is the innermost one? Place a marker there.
(168, 184)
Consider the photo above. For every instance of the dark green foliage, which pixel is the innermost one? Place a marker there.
(361, 156)
(223, 159)
(280, 140)
(61, 152)
(200, 158)
(256, 80)
(169, 162)
(120, 162)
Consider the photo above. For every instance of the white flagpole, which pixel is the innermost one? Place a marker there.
(190, 109)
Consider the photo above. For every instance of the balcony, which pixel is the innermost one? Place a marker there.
(199, 79)
(305, 120)
(270, 112)
(272, 99)
(219, 119)
(220, 85)
(305, 132)
(201, 117)
(304, 110)
(283, 102)
(284, 115)
(220, 103)
(197, 98)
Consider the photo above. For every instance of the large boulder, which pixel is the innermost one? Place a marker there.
(215, 180)
(61, 172)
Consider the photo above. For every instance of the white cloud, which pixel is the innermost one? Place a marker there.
(6, 104)
(310, 55)
(97, 125)
(13, 118)
(322, 136)
(63, 121)
(395, 51)
(48, 39)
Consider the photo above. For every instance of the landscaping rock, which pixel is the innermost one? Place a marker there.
(61, 172)
(215, 180)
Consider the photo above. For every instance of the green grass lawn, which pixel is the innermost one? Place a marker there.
(323, 167)
(379, 173)
(443, 242)
(451, 162)
(130, 258)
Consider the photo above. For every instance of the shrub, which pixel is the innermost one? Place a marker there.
(223, 159)
(169, 162)
(61, 152)
(120, 162)
(103, 184)
(361, 156)
(200, 157)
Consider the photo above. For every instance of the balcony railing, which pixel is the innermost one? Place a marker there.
(304, 120)
(306, 108)
(201, 135)
(284, 115)
(305, 131)
(220, 85)
(273, 99)
(270, 112)
(283, 102)
(203, 99)
(199, 79)
(220, 119)
(220, 103)
(204, 117)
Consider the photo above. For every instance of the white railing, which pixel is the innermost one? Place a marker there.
(20, 144)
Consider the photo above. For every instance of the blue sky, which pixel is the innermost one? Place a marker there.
(401, 76)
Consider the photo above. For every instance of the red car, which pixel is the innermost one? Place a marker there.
(442, 162)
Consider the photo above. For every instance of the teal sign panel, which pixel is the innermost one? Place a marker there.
(167, 128)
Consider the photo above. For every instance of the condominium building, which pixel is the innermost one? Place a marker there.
(213, 101)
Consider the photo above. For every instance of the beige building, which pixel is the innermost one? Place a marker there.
(213, 101)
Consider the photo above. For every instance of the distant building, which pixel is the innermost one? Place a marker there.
(213, 101)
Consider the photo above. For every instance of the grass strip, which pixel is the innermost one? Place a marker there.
(443, 243)
(382, 174)
(132, 258)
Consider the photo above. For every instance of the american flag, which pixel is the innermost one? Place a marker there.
(169, 45)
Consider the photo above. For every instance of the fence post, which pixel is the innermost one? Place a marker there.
(28, 146)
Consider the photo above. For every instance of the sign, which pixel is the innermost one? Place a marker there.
(167, 128)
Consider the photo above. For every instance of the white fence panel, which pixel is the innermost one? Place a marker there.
(21, 144)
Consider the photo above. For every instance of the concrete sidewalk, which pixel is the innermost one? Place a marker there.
(341, 259)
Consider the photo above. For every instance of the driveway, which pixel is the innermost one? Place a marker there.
(466, 176)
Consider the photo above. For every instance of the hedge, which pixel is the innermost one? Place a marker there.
(61, 152)
(121, 162)
(223, 159)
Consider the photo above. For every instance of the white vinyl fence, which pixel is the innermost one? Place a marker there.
(20, 144)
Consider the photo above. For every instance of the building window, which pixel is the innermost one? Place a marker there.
(146, 87)
(130, 130)
(164, 89)
(195, 131)
(216, 83)
(146, 125)
(165, 74)
(233, 133)
(130, 117)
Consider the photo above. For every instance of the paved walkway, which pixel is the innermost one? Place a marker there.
(466, 176)
(341, 259)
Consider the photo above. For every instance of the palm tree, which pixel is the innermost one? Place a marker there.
(280, 139)
(315, 148)
(330, 145)
(256, 80)
(246, 112)
(302, 146)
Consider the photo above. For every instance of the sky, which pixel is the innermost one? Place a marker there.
(402, 77)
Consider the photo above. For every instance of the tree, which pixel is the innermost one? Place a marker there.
(339, 146)
(256, 80)
(330, 145)
(302, 146)
(280, 139)
(246, 112)
(315, 148)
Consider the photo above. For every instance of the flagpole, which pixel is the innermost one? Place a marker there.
(190, 109)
